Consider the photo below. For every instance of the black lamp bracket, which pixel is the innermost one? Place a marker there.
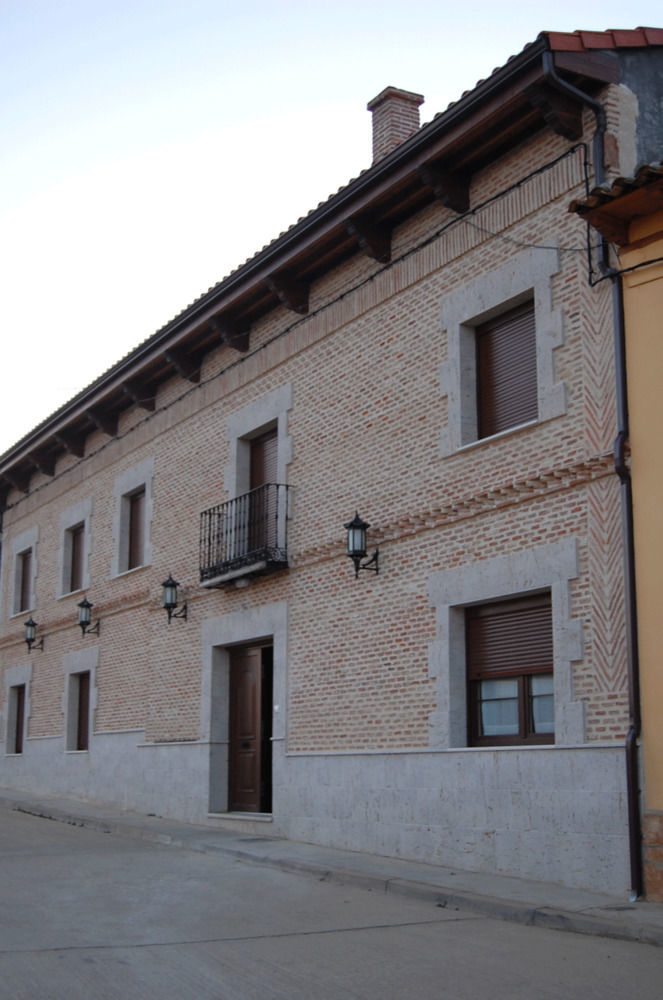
(371, 564)
(182, 613)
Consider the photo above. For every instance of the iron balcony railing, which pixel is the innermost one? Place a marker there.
(247, 532)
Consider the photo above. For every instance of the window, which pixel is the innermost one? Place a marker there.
(78, 728)
(502, 331)
(509, 648)
(80, 696)
(75, 550)
(16, 719)
(24, 581)
(506, 371)
(135, 513)
(24, 571)
(461, 590)
(133, 516)
(248, 533)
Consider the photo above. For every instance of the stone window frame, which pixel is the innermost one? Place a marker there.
(26, 541)
(544, 568)
(270, 410)
(527, 275)
(251, 625)
(131, 481)
(85, 661)
(79, 513)
(15, 677)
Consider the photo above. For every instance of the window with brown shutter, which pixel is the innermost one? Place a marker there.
(25, 580)
(510, 672)
(76, 550)
(136, 529)
(506, 371)
(83, 708)
(16, 718)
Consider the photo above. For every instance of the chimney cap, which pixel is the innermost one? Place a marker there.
(408, 96)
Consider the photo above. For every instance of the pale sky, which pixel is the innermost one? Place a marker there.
(148, 148)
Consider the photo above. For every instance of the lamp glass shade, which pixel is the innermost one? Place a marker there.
(169, 593)
(30, 630)
(356, 529)
(84, 612)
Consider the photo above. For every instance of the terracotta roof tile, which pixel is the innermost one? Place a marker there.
(600, 197)
(583, 41)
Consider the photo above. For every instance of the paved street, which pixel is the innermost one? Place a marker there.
(96, 916)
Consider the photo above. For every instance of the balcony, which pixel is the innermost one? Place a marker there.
(245, 536)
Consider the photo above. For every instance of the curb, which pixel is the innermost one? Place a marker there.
(550, 918)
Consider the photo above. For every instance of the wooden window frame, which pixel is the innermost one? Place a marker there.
(75, 548)
(135, 513)
(83, 710)
(506, 371)
(80, 684)
(25, 561)
(479, 669)
(16, 718)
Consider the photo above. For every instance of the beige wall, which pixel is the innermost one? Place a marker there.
(643, 300)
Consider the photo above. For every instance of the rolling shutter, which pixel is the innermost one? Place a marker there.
(510, 638)
(506, 371)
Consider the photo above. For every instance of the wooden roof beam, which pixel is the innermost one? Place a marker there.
(290, 291)
(18, 479)
(186, 364)
(452, 189)
(43, 463)
(562, 114)
(139, 394)
(104, 422)
(374, 239)
(229, 334)
(72, 443)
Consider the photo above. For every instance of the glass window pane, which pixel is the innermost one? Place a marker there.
(543, 703)
(499, 707)
(507, 688)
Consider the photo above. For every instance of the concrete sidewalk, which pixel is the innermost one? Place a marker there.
(500, 896)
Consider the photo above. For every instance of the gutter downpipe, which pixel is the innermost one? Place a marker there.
(623, 472)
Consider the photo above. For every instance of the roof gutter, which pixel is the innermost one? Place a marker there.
(564, 87)
(287, 243)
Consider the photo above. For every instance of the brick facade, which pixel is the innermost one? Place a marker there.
(362, 388)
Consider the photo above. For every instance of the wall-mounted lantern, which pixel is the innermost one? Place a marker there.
(170, 601)
(356, 529)
(84, 618)
(31, 635)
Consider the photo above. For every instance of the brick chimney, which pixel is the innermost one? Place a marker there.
(395, 118)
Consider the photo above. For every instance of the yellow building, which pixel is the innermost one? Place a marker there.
(630, 216)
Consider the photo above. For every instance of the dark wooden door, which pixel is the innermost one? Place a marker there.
(263, 511)
(246, 730)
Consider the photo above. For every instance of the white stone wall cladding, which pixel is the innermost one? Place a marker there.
(119, 769)
(553, 814)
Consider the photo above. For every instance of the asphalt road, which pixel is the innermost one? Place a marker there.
(92, 916)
